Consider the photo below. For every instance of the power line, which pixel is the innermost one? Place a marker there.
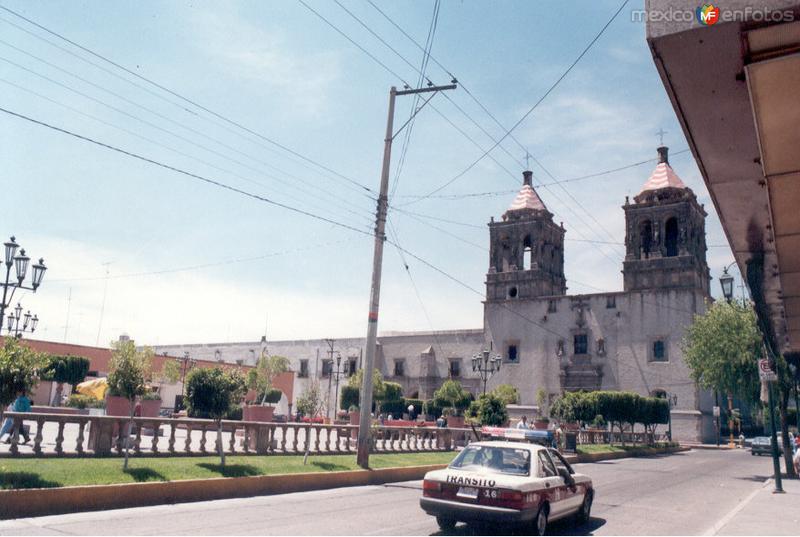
(200, 266)
(537, 103)
(187, 173)
(192, 102)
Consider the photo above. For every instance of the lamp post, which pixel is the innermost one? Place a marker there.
(187, 364)
(336, 390)
(726, 282)
(486, 365)
(672, 399)
(20, 263)
(15, 318)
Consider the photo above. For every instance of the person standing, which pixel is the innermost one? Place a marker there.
(523, 423)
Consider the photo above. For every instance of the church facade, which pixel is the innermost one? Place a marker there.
(551, 342)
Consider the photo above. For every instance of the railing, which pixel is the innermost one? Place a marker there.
(608, 437)
(59, 434)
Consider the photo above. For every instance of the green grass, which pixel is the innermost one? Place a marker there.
(604, 448)
(61, 472)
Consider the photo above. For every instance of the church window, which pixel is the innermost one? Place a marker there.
(455, 368)
(527, 253)
(353, 363)
(303, 373)
(512, 354)
(646, 238)
(551, 306)
(601, 347)
(512, 292)
(659, 351)
(327, 368)
(580, 344)
(671, 237)
(611, 302)
(399, 368)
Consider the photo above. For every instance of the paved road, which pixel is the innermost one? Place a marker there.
(685, 493)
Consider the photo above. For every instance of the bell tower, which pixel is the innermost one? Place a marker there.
(526, 254)
(665, 238)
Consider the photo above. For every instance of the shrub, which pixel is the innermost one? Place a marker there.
(392, 391)
(151, 396)
(349, 397)
(395, 408)
(19, 369)
(431, 409)
(66, 370)
(452, 395)
(507, 393)
(273, 396)
(77, 400)
(489, 410)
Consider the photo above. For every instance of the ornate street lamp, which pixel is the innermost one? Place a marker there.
(486, 364)
(726, 282)
(20, 263)
(29, 322)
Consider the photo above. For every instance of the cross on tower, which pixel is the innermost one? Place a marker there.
(527, 160)
(660, 134)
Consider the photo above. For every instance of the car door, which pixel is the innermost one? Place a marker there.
(573, 494)
(554, 485)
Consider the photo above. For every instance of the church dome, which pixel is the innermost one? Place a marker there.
(527, 199)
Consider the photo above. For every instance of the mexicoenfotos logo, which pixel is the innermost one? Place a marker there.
(707, 14)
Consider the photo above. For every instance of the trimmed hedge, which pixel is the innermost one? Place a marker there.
(348, 397)
(618, 408)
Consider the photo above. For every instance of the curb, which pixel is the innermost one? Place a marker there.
(643, 452)
(23, 503)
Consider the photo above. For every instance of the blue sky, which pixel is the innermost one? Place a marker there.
(279, 70)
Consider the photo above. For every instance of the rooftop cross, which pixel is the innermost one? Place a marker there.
(660, 134)
(527, 160)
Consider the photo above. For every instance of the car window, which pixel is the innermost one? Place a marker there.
(560, 460)
(546, 467)
(494, 459)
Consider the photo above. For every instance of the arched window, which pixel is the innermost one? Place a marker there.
(646, 237)
(527, 253)
(671, 237)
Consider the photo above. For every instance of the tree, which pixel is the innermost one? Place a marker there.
(377, 387)
(129, 370)
(541, 401)
(261, 377)
(785, 384)
(452, 395)
(66, 369)
(19, 369)
(214, 392)
(170, 372)
(349, 397)
(722, 348)
(488, 410)
(507, 393)
(311, 403)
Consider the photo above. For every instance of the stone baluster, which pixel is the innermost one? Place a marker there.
(203, 439)
(347, 440)
(60, 438)
(121, 430)
(187, 445)
(246, 439)
(328, 431)
(232, 442)
(37, 440)
(137, 443)
(284, 430)
(156, 433)
(171, 445)
(15, 432)
(79, 440)
(296, 434)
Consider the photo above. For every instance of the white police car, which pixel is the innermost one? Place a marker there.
(509, 483)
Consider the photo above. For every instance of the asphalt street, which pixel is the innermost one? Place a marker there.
(686, 493)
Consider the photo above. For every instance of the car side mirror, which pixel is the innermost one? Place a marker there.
(566, 476)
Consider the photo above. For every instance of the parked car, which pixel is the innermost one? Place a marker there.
(510, 483)
(763, 445)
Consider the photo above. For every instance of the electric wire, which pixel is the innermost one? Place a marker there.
(183, 98)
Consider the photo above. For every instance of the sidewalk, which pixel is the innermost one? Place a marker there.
(764, 513)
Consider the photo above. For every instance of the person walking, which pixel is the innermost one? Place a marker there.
(21, 404)
(523, 423)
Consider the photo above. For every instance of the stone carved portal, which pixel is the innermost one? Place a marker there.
(577, 370)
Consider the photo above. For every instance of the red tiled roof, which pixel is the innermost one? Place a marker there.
(527, 198)
(662, 177)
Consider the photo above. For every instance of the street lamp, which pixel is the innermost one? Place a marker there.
(336, 390)
(20, 263)
(186, 364)
(486, 365)
(28, 322)
(726, 282)
(672, 399)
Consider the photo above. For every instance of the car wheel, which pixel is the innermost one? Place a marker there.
(445, 523)
(586, 508)
(540, 523)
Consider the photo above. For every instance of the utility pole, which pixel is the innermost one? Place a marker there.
(365, 419)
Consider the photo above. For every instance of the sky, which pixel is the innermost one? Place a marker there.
(268, 98)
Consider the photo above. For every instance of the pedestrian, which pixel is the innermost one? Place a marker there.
(411, 412)
(440, 422)
(523, 423)
(558, 435)
(389, 417)
(21, 404)
(381, 419)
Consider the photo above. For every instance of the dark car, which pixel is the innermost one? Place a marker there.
(763, 445)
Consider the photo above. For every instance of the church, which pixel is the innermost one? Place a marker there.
(548, 341)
